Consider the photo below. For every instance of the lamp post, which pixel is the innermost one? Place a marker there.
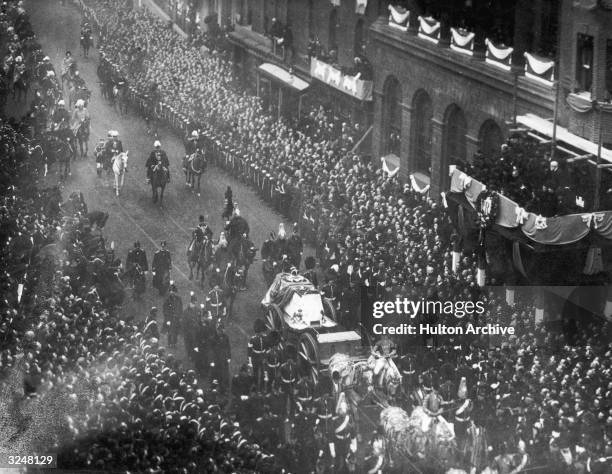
(596, 201)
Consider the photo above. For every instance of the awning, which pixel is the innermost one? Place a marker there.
(284, 77)
(545, 127)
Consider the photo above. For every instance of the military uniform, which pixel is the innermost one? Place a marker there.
(222, 348)
(162, 261)
(173, 312)
(288, 372)
(257, 353)
(295, 248)
(191, 325)
(136, 256)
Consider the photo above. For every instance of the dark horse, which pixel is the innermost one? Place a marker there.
(194, 166)
(199, 255)
(160, 176)
(82, 136)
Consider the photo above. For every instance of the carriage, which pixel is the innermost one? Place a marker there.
(306, 319)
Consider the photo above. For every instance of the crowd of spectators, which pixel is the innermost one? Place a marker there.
(394, 239)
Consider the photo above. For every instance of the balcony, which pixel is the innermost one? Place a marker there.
(351, 85)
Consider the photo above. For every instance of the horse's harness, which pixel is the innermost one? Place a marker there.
(192, 159)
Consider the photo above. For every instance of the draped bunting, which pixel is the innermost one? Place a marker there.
(429, 28)
(500, 57)
(517, 259)
(462, 39)
(326, 73)
(360, 6)
(578, 104)
(398, 17)
(559, 230)
(539, 68)
(585, 4)
(335, 3)
(537, 65)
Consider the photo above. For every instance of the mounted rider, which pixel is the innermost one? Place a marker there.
(45, 66)
(202, 230)
(382, 356)
(61, 117)
(80, 115)
(68, 63)
(77, 81)
(157, 156)
(113, 146)
(192, 144)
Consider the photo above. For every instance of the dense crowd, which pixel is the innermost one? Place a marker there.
(371, 230)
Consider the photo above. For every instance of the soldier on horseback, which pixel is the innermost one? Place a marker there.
(382, 356)
(157, 156)
(243, 251)
(80, 124)
(61, 117)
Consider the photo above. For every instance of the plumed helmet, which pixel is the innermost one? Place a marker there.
(194, 134)
(157, 144)
(61, 102)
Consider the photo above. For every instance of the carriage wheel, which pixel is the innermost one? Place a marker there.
(309, 355)
(274, 320)
(330, 311)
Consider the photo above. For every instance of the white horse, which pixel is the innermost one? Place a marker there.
(119, 163)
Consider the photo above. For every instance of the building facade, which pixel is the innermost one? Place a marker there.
(290, 33)
(451, 80)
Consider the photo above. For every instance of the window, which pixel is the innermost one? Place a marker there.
(393, 116)
(422, 131)
(609, 68)
(333, 25)
(456, 129)
(584, 63)
(311, 21)
(490, 138)
(359, 39)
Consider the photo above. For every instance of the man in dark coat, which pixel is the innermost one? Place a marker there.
(191, 325)
(173, 313)
(156, 156)
(295, 247)
(257, 347)
(135, 256)
(223, 356)
(162, 261)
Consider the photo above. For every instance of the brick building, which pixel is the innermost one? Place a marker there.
(338, 30)
(449, 79)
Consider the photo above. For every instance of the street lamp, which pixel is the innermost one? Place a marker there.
(598, 105)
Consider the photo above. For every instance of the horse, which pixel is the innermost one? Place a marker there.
(82, 136)
(119, 163)
(160, 176)
(419, 436)
(194, 167)
(86, 43)
(199, 255)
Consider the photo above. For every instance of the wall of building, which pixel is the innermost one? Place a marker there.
(482, 92)
(598, 24)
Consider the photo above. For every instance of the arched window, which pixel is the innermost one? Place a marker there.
(392, 109)
(332, 40)
(455, 128)
(359, 38)
(422, 110)
(490, 138)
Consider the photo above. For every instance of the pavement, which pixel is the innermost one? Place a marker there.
(133, 215)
